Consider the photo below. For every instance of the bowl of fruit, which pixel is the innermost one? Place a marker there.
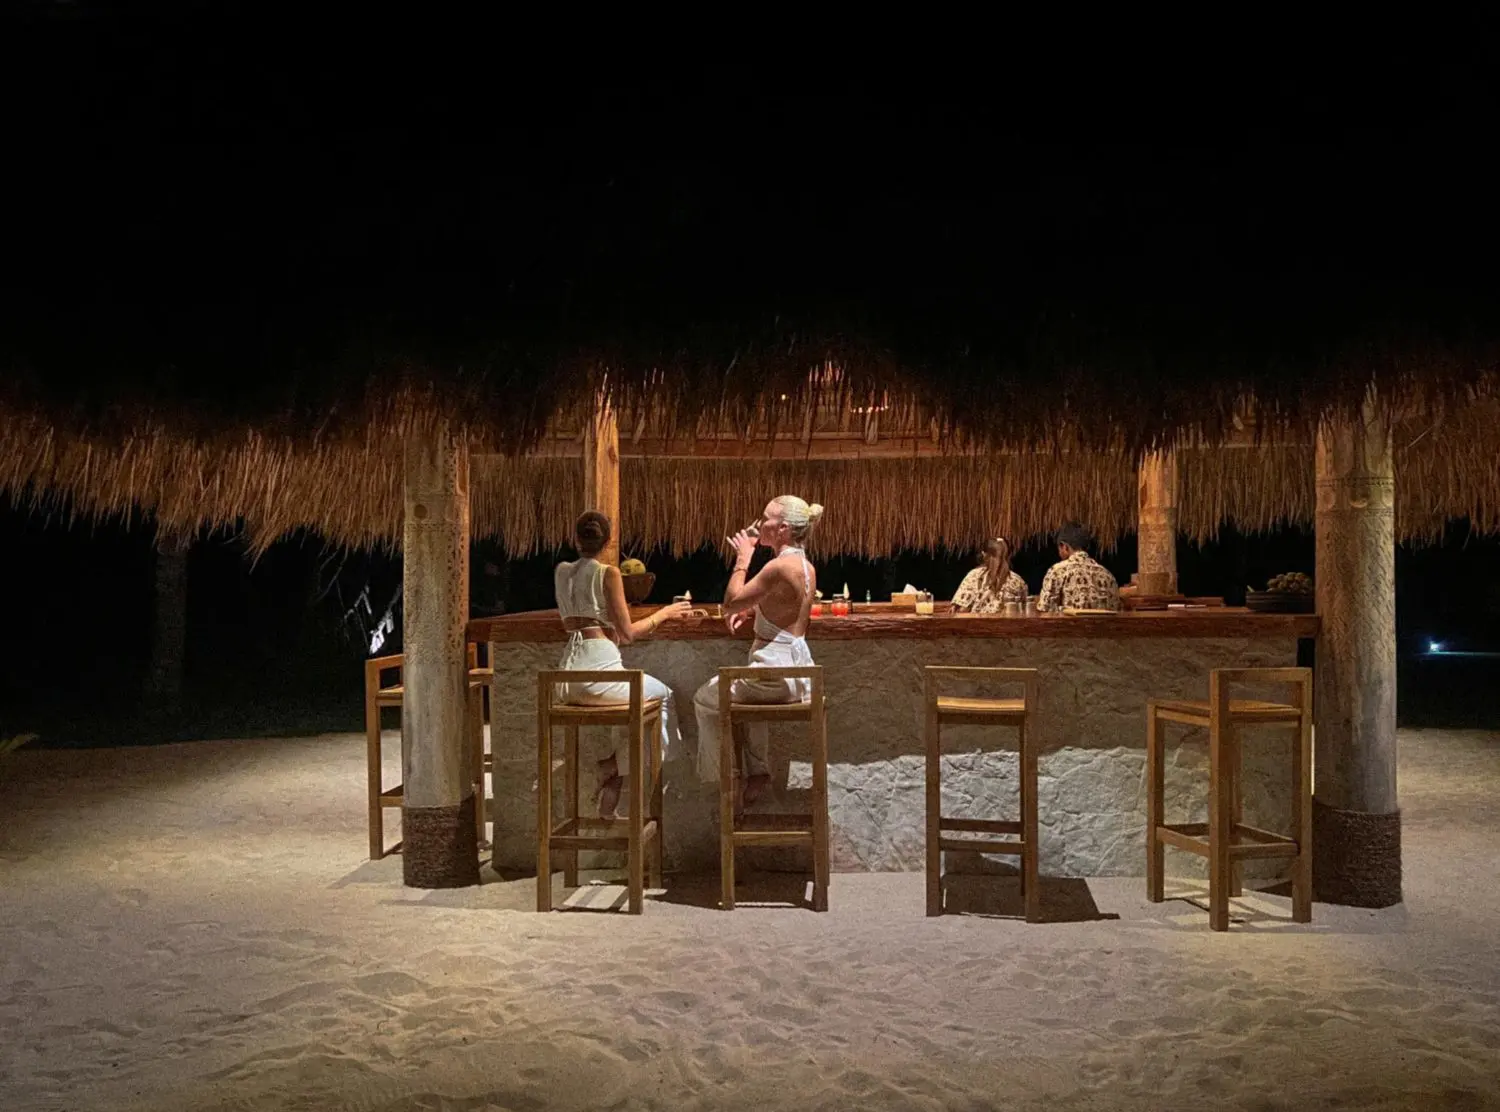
(638, 581)
(1288, 593)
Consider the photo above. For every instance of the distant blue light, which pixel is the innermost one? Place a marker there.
(1434, 646)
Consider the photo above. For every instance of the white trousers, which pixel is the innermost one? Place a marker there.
(599, 654)
(788, 653)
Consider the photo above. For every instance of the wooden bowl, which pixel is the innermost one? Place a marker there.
(637, 587)
(1279, 602)
(1149, 602)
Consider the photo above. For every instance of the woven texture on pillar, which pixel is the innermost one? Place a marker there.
(439, 846)
(1356, 857)
(1157, 530)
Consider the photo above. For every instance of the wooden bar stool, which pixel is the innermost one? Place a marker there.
(1225, 839)
(773, 829)
(949, 710)
(378, 696)
(641, 825)
(481, 680)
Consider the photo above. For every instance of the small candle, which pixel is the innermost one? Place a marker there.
(924, 606)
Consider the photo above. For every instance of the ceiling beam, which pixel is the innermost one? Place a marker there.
(852, 445)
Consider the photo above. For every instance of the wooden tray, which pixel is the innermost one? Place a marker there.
(1149, 602)
(1279, 602)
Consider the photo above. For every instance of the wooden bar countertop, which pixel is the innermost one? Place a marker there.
(870, 621)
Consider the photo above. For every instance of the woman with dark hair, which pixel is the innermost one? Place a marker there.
(987, 588)
(591, 602)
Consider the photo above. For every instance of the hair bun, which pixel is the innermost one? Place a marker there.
(591, 531)
(814, 512)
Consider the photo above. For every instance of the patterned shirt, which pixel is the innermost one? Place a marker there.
(974, 593)
(1079, 583)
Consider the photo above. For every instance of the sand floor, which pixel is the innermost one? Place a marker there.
(195, 927)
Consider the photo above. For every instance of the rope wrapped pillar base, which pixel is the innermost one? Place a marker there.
(1356, 857)
(439, 846)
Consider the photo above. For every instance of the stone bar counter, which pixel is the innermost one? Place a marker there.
(1096, 675)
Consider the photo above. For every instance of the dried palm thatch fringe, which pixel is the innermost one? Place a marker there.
(1124, 379)
(348, 487)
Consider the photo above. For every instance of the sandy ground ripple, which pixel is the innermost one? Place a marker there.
(194, 927)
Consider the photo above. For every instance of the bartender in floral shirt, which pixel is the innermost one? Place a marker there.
(1077, 581)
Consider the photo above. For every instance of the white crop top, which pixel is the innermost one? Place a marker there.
(579, 587)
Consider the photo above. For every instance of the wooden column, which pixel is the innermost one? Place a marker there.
(169, 618)
(601, 474)
(438, 842)
(1156, 529)
(1356, 821)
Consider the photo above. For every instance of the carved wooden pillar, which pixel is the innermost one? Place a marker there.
(438, 842)
(1156, 531)
(601, 474)
(1356, 820)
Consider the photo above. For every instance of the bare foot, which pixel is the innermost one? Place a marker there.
(756, 785)
(607, 795)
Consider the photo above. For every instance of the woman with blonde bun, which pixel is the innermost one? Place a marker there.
(777, 599)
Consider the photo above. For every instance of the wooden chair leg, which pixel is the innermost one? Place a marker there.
(657, 852)
(373, 776)
(726, 802)
(1156, 791)
(570, 800)
(1236, 769)
(637, 789)
(821, 864)
(1302, 822)
(1220, 808)
(1031, 890)
(933, 740)
(544, 812)
(475, 711)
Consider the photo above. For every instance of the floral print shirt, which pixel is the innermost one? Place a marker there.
(974, 593)
(1079, 583)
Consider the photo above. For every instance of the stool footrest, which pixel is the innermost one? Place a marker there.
(392, 797)
(1193, 837)
(773, 837)
(582, 823)
(980, 845)
(606, 839)
(1265, 837)
(1243, 851)
(772, 712)
(767, 829)
(1189, 836)
(980, 826)
(767, 820)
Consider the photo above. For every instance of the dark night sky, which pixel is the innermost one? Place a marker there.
(212, 192)
(217, 187)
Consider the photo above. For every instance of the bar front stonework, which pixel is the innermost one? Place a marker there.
(1096, 674)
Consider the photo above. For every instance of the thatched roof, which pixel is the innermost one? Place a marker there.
(351, 491)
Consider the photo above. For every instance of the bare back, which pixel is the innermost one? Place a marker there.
(789, 592)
